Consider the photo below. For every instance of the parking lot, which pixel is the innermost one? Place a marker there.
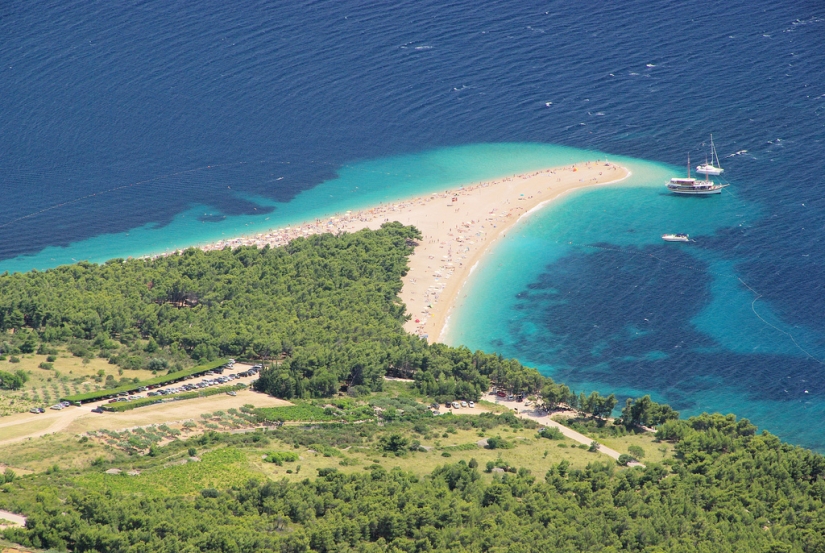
(230, 374)
(76, 420)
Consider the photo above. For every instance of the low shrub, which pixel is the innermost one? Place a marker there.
(551, 433)
(497, 442)
(281, 457)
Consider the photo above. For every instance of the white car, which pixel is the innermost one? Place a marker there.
(455, 405)
(464, 404)
(471, 404)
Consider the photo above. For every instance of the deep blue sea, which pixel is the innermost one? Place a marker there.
(129, 128)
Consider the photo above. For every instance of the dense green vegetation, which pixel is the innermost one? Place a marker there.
(324, 311)
(13, 381)
(729, 489)
(327, 304)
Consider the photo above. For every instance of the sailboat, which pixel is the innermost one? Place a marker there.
(712, 168)
(693, 187)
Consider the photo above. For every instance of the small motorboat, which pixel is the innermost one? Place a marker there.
(679, 237)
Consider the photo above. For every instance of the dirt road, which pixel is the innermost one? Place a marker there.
(23, 426)
(15, 520)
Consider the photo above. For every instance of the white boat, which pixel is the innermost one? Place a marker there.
(694, 187)
(679, 237)
(712, 168)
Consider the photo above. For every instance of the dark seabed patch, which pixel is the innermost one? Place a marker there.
(625, 320)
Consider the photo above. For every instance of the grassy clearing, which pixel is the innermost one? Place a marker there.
(160, 452)
(654, 451)
(70, 375)
(492, 407)
(535, 454)
(611, 436)
(17, 430)
(217, 469)
(63, 450)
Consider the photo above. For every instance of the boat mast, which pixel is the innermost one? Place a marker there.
(688, 165)
(713, 153)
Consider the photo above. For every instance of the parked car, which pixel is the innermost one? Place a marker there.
(65, 403)
(113, 400)
(97, 410)
(501, 393)
(471, 404)
(41, 410)
(456, 405)
(464, 404)
(34, 410)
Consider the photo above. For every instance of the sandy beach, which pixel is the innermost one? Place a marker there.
(458, 226)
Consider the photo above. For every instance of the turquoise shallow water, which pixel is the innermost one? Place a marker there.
(583, 289)
(587, 291)
(132, 129)
(356, 185)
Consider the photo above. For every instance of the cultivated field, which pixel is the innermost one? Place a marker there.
(70, 375)
(77, 420)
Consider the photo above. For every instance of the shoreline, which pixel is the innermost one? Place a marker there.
(458, 227)
(534, 209)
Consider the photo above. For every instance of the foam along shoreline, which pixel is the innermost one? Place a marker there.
(458, 226)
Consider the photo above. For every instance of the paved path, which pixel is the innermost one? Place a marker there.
(16, 520)
(544, 419)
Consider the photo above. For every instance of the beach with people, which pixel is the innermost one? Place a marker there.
(457, 225)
